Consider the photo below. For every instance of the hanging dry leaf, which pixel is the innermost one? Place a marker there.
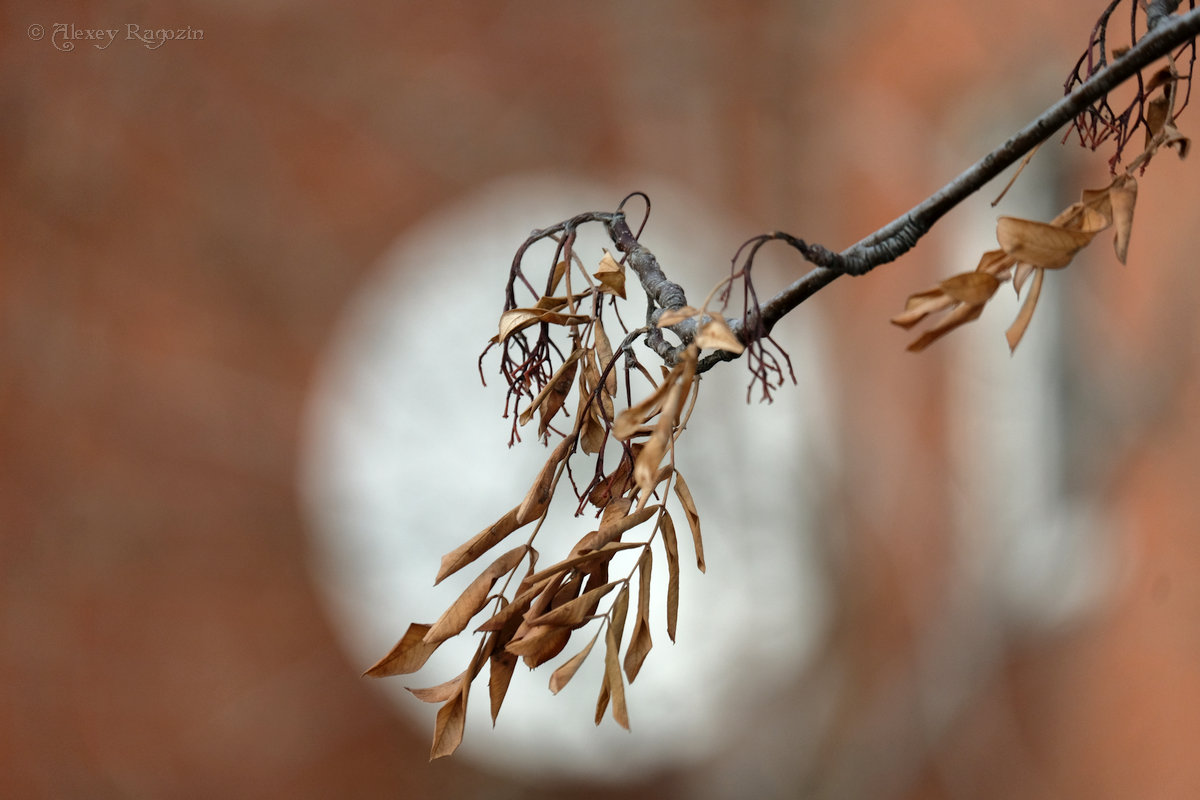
(574, 613)
(448, 729)
(671, 547)
(552, 396)
(674, 316)
(630, 420)
(503, 663)
(614, 525)
(477, 545)
(640, 641)
(440, 693)
(611, 275)
(1041, 244)
(516, 608)
(518, 319)
(1122, 198)
(612, 678)
(716, 334)
(540, 644)
(693, 517)
(537, 499)
(1017, 330)
(409, 654)
(454, 620)
(561, 676)
(614, 486)
(605, 553)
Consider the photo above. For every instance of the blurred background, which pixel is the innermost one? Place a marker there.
(245, 274)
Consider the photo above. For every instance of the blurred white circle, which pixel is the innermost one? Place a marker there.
(405, 458)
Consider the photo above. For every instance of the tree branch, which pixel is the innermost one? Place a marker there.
(898, 237)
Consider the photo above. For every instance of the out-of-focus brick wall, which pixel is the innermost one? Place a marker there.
(180, 226)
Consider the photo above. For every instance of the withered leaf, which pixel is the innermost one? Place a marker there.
(1021, 323)
(671, 547)
(1040, 244)
(611, 275)
(612, 678)
(561, 676)
(604, 354)
(560, 269)
(640, 641)
(613, 526)
(605, 553)
(716, 334)
(673, 316)
(514, 609)
(448, 729)
(620, 610)
(502, 665)
(472, 600)
(440, 693)
(409, 654)
(537, 499)
(574, 613)
(550, 399)
(592, 431)
(519, 319)
(974, 288)
(477, 545)
(1123, 197)
(959, 316)
(540, 644)
(679, 383)
(631, 419)
(693, 517)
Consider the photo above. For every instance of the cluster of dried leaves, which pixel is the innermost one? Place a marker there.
(1029, 248)
(529, 613)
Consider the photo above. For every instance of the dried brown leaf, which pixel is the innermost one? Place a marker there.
(477, 545)
(592, 431)
(1123, 197)
(973, 288)
(604, 354)
(1040, 244)
(409, 654)
(614, 486)
(640, 641)
(540, 644)
(1021, 323)
(671, 547)
(612, 678)
(440, 693)
(673, 316)
(561, 676)
(502, 665)
(618, 613)
(448, 729)
(605, 553)
(515, 609)
(920, 305)
(550, 399)
(717, 335)
(537, 499)
(549, 303)
(959, 316)
(575, 612)
(519, 319)
(611, 275)
(474, 597)
(613, 526)
(693, 517)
